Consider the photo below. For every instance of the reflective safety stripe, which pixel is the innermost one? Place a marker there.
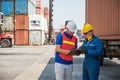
(68, 42)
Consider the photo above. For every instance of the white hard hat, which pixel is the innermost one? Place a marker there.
(71, 26)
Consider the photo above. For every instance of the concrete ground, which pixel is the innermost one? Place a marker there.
(37, 63)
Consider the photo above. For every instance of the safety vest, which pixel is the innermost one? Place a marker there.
(67, 44)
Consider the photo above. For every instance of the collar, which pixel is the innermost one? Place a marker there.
(68, 36)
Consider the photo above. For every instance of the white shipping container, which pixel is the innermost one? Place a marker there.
(45, 25)
(31, 8)
(43, 37)
(37, 22)
(35, 37)
(8, 23)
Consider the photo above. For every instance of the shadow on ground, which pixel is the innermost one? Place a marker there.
(109, 71)
(48, 73)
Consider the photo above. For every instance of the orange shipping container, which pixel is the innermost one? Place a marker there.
(39, 11)
(40, 4)
(46, 12)
(21, 37)
(21, 22)
(104, 15)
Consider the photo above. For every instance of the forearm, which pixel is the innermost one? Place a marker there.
(60, 50)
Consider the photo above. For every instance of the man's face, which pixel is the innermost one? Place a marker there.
(69, 32)
(86, 35)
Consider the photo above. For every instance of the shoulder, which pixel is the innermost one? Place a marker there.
(59, 35)
(97, 39)
(59, 39)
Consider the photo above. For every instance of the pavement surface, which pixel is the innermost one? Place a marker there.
(37, 63)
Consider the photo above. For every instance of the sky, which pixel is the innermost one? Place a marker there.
(67, 10)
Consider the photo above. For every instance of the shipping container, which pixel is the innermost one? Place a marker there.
(46, 11)
(21, 21)
(46, 17)
(104, 15)
(35, 37)
(21, 7)
(21, 37)
(40, 4)
(7, 7)
(39, 11)
(39, 7)
(37, 22)
(9, 23)
(25, 6)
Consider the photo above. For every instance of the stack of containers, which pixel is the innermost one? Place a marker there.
(26, 29)
(39, 7)
(46, 15)
(37, 25)
(8, 15)
(24, 8)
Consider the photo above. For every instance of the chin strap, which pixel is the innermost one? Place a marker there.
(89, 38)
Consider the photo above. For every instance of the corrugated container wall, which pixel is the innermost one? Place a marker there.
(0, 5)
(39, 7)
(46, 11)
(104, 16)
(46, 17)
(31, 8)
(40, 4)
(25, 7)
(8, 23)
(21, 22)
(21, 7)
(35, 37)
(21, 37)
(7, 10)
(119, 14)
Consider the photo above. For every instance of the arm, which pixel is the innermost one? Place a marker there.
(58, 49)
(58, 45)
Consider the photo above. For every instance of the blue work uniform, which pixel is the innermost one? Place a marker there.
(91, 64)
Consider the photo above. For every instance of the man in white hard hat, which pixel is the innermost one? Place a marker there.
(64, 43)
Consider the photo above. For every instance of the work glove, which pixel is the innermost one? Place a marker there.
(74, 52)
(83, 50)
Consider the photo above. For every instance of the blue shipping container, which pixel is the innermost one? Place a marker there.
(21, 7)
(7, 7)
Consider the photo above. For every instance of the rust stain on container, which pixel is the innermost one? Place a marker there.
(104, 15)
(21, 22)
(21, 37)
